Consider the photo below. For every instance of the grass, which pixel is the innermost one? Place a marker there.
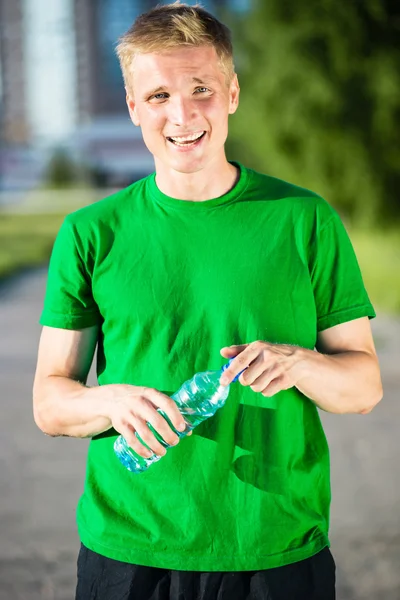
(378, 254)
(26, 240)
(27, 236)
(28, 227)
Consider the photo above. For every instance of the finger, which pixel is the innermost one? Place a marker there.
(275, 386)
(240, 362)
(263, 381)
(253, 372)
(148, 437)
(146, 412)
(128, 432)
(164, 402)
(230, 351)
(162, 427)
(158, 427)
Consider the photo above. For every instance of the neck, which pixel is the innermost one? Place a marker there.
(210, 182)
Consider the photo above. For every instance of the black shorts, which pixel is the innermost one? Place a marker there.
(101, 578)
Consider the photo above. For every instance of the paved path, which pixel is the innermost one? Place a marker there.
(41, 478)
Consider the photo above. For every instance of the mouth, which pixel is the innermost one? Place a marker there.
(186, 141)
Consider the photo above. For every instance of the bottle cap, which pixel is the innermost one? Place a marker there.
(227, 365)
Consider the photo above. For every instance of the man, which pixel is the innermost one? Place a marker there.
(202, 261)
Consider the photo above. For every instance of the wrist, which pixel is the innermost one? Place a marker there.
(104, 398)
(304, 363)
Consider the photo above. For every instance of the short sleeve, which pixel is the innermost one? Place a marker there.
(338, 286)
(69, 302)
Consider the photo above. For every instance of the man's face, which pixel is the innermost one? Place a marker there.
(181, 100)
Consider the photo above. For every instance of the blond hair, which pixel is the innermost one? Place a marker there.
(174, 25)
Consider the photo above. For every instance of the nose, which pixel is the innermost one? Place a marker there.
(181, 111)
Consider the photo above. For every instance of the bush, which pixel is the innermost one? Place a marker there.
(61, 171)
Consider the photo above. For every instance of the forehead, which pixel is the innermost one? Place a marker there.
(165, 67)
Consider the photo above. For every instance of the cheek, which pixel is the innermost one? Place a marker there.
(217, 113)
(152, 125)
(155, 117)
(218, 118)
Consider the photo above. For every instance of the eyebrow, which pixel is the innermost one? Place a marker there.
(161, 88)
(155, 91)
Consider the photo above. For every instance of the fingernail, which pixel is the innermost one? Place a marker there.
(224, 380)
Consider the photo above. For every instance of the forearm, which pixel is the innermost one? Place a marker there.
(348, 382)
(66, 407)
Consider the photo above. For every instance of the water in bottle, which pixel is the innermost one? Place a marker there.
(197, 399)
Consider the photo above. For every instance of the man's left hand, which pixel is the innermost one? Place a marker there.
(270, 368)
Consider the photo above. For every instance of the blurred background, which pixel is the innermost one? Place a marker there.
(320, 107)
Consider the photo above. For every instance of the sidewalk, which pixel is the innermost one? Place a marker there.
(41, 478)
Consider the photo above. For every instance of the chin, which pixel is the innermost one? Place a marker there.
(187, 166)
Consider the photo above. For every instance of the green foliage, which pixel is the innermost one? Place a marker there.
(320, 101)
(379, 258)
(61, 171)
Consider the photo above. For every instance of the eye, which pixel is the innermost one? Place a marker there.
(160, 96)
(202, 90)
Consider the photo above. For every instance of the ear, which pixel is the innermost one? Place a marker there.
(234, 91)
(132, 108)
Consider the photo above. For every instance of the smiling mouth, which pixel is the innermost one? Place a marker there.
(186, 140)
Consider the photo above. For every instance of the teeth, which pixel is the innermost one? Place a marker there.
(187, 138)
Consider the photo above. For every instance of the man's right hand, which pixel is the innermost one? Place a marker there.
(132, 407)
(63, 405)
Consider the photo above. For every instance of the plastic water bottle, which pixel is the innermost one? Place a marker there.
(197, 399)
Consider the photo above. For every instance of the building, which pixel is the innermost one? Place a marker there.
(62, 85)
(37, 62)
(13, 116)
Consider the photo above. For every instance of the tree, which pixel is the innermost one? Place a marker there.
(61, 170)
(320, 102)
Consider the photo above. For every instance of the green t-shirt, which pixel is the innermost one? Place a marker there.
(170, 282)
